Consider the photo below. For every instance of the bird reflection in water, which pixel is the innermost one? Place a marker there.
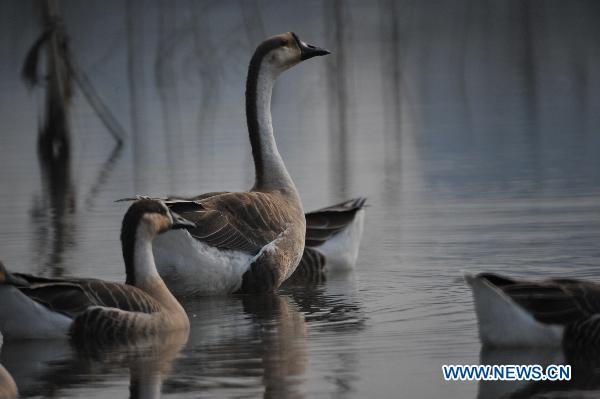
(43, 368)
(282, 331)
(257, 345)
(333, 312)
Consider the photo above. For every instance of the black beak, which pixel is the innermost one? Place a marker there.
(308, 50)
(179, 222)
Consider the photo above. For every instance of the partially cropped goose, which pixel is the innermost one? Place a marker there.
(39, 307)
(333, 237)
(8, 388)
(243, 241)
(553, 312)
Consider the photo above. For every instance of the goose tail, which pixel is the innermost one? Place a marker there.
(21, 317)
(504, 323)
(336, 231)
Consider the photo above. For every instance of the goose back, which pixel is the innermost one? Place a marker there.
(514, 312)
(244, 221)
(551, 301)
(73, 296)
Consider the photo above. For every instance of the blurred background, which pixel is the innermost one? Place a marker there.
(472, 126)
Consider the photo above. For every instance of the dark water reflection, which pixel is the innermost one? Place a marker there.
(59, 369)
(470, 125)
(585, 377)
(258, 345)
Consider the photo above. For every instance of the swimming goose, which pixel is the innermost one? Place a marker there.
(39, 307)
(333, 236)
(243, 241)
(551, 312)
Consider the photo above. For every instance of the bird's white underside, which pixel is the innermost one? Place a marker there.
(341, 250)
(191, 267)
(23, 318)
(503, 323)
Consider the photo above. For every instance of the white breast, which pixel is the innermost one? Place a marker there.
(191, 267)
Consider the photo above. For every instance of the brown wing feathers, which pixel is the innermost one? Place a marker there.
(238, 221)
(311, 267)
(73, 296)
(558, 301)
(548, 303)
(246, 221)
(324, 223)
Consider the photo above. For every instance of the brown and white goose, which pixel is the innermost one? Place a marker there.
(243, 241)
(524, 313)
(38, 307)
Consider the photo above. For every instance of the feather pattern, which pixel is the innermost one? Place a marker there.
(571, 304)
(335, 232)
(255, 248)
(108, 325)
(242, 221)
(325, 223)
(339, 227)
(72, 296)
(552, 301)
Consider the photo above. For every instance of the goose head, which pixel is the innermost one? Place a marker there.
(283, 51)
(153, 217)
(144, 220)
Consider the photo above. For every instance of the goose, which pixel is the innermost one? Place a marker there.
(333, 236)
(33, 307)
(243, 241)
(548, 313)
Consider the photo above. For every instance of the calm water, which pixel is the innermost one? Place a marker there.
(472, 126)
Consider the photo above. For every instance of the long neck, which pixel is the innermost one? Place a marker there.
(136, 242)
(144, 267)
(140, 267)
(271, 173)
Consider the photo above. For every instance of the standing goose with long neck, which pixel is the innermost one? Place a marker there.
(38, 307)
(244, 241)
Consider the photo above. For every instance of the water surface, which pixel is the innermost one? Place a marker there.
(472, 126)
